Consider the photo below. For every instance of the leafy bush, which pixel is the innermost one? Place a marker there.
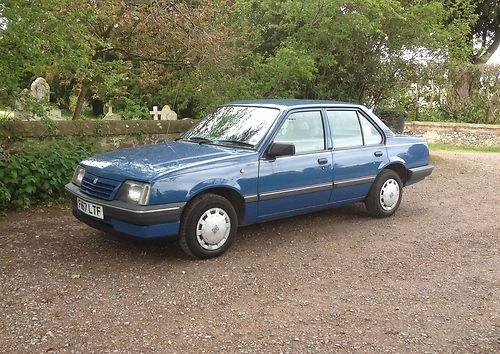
(132, 109)
(33, 106)
(38, 173)
(4, 196)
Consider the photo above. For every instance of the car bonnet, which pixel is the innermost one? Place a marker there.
(147, 162)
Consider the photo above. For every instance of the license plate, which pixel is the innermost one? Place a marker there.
(90, 208)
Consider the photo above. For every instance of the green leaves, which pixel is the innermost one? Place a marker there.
(194, 55)
(38, 172)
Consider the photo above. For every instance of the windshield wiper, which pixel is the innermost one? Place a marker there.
(236, 142)
(200, 140)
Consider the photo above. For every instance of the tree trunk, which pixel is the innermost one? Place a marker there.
(81, 99)
(97, 107)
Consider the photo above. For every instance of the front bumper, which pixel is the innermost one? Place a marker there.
(419, 173)
(149, 221)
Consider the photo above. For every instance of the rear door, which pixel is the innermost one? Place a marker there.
(358, 153)
(303, 181)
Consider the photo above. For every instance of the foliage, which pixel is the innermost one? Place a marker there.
(33, 106)
(4, 196)
(38, 173)
(394, 118)
(194, 55)
(132, 109)
(456, 93)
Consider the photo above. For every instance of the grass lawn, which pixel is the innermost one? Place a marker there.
(450, 147)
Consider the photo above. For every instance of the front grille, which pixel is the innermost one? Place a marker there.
(103, 188)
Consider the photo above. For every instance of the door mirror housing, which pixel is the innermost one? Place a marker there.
(281, 149)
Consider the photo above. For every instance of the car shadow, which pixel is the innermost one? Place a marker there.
(159, 250)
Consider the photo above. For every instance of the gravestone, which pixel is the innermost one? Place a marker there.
(110, 115)
(155, 113)
(20, 108)
(165, 114)
(40, 90)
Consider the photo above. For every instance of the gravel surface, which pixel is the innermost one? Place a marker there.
(425, 280)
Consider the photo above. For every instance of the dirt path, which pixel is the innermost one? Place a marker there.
(425, 280)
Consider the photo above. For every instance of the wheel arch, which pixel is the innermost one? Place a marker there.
(232, 195)
(400, 169)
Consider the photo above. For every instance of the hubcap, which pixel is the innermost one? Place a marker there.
(213, 229)
(389, 194)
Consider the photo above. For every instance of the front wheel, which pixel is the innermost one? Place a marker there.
(385, 195)
(208, 226)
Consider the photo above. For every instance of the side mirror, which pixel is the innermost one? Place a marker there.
(281, 149)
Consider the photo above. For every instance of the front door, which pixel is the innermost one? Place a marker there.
(289, 184)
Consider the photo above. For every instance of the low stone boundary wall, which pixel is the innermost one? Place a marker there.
(127, 133)
(456, 133)
(111, 134)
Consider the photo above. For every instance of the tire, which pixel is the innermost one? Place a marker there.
(208, 226)
(385, 195)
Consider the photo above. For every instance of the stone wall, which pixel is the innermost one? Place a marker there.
(456, 133)
(118, 134)
(110, 134)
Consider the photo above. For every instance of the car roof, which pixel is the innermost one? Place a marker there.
(290, 103)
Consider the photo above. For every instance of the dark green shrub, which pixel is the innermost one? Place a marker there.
(132, 109)
(394, 118)
(38, 173)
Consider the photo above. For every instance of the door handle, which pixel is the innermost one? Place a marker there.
(378, 153)
(322, 161)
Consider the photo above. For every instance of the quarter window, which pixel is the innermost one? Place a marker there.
(371, 135)
(304, 130)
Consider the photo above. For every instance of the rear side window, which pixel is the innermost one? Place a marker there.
(345, 129)
(349, 129)
(304, 130)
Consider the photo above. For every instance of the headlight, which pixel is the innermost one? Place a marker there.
(78, 175)
(137, 192)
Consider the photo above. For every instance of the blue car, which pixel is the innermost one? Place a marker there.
(248, 162)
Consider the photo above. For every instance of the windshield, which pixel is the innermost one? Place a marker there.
(234, 125)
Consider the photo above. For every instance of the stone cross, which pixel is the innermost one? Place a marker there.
(109, 106)
(110, 115)
(40, 89)
(155, 113)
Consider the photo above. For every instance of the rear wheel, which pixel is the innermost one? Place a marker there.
(385, 195)
(208, 226)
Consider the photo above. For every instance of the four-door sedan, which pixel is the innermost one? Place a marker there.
(248, 162)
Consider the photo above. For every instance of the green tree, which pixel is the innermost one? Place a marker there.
(94, 45)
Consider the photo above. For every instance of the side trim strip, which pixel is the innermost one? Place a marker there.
(295, 191)
(309, 189)
(353, 181)
(406, 144)
(251, 198)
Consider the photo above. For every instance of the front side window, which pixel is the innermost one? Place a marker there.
(304, 130)
(234, 125)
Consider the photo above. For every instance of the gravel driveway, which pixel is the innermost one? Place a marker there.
(425, 280)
